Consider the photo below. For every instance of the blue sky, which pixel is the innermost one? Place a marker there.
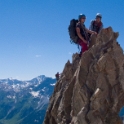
(34, 36)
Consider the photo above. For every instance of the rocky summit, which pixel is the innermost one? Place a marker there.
(91, 88)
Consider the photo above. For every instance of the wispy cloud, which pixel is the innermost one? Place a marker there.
(70, 53)
(37, 56)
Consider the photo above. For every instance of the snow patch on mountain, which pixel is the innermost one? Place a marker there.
(30, 88)
(43, 89)
(35, 93)
(43, 101)
(52, 84)
(11, 97)
(36, 85)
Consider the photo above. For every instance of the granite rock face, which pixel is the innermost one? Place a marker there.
(91, 88)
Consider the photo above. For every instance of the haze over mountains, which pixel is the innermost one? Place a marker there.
(24, 102)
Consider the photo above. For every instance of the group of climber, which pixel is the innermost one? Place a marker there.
(83, 34)
(80, 35)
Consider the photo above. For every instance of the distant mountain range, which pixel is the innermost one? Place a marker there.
(25, 102)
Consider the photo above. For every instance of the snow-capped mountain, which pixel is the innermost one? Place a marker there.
(24, 102)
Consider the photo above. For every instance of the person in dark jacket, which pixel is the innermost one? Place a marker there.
(96, 25)
(57, 75)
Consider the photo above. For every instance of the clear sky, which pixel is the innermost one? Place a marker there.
(34, 36)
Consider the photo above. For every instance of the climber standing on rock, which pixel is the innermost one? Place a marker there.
(96, 25)
(57, 75)
(82, 33)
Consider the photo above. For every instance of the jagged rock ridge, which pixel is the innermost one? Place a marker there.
(91, 89)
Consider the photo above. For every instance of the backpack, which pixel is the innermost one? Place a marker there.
(72, 31)
(96, 27)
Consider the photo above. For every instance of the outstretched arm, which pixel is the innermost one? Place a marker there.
(91, 32)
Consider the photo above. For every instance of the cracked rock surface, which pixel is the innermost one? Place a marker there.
(91, 88)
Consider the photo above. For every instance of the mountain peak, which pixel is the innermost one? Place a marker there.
(41, 76)
(91, 89)
(24, 101)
